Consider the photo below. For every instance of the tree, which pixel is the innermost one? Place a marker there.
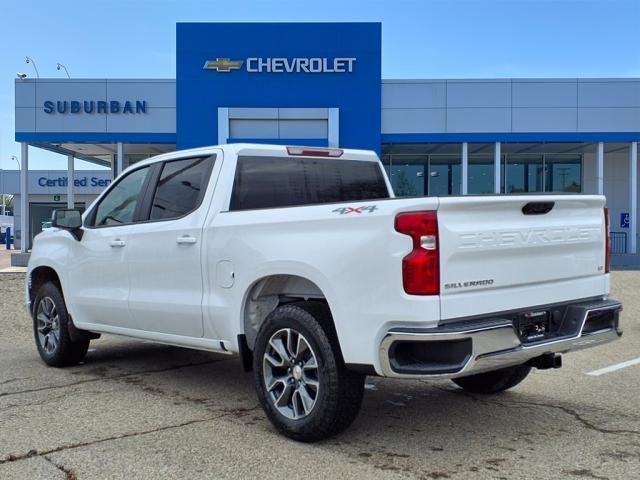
(8, 204)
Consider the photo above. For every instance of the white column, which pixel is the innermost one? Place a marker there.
(496, 169)
(464, 187)
(70, 181)
(223, 125)
(119, 158)
(600, 169)
(24, 198)
(633, 197)
(333, 127)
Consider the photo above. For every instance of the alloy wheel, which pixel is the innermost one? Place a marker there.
(291, 375)
(48, 325)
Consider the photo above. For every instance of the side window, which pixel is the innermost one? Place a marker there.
(119, 205)
(181, 187)
(272, 182)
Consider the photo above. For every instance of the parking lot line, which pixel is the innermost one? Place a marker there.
(614, 367)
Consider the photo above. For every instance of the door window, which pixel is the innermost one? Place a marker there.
(180, 188)
(119, 204)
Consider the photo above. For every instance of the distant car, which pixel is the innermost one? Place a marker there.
(300, 260)
(46, 225)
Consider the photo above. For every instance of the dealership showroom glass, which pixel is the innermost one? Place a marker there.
(320, 84)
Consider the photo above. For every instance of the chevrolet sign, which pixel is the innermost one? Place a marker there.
(284, 65)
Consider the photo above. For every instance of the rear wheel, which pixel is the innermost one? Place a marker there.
(493, 382)
(51, 329)
(302, 382)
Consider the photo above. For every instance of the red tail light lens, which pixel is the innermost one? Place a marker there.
(607, 242)
(421, 268)
(315, 152)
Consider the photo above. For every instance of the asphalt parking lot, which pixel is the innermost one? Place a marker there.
(140, 410)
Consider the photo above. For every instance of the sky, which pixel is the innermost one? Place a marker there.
(420, 39)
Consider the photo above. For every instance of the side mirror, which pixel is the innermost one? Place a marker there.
(67, 219)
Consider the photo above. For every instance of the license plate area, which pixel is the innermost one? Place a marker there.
(533, 326)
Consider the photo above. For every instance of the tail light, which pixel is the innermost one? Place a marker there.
(421, 268)
(607, 242)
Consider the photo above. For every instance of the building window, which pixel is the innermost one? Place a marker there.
(480, 174)
(408, 174)
(423, 169)
(435, 169)
(563, 173)
(523, 173)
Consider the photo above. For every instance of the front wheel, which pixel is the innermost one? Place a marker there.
(302, 382)
(493, 382)
(51, 329)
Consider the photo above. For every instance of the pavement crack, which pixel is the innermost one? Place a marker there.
(69, 474)
(12, 457)
(569, 411)
(109, 377)
(516, 403)
(11, 380)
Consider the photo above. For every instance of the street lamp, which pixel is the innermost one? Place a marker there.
(61, 65)
(17, 161)
(30, 60)
(3, 203)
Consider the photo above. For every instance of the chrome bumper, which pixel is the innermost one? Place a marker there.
(495, 344)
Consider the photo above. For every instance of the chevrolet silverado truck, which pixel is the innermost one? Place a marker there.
(300, 261)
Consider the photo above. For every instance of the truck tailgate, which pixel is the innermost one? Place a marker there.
(494, 257)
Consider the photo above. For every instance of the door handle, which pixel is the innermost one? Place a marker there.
(187, 239)
(117, 243)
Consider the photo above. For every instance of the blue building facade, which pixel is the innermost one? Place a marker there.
(320, 84)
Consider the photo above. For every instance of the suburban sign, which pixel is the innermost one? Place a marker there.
(283, 65)
(95, 106)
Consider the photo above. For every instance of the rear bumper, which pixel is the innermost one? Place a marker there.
(457, 350)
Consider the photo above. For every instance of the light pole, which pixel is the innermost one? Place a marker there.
(30, 60)
(17, 161)
(62, 66)
(3, 204)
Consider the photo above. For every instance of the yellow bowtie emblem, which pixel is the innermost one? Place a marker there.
(223, 64)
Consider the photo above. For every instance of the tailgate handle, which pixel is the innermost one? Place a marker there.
(537, 208)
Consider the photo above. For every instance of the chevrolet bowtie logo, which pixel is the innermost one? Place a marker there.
(223, 64)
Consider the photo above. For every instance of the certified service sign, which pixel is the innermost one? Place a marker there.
(284, 65)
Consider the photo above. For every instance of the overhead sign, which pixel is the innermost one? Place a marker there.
(99, 107)
(278, 65)
(284, 65)
(77, 182)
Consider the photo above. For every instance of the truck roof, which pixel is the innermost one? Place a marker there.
(256, 149)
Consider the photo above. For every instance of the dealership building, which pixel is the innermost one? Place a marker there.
(320, 84)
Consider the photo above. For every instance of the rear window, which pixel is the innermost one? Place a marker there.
(263, 182)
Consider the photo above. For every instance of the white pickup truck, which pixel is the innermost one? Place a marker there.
(301, 261)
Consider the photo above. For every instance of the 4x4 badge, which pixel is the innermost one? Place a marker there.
(366, 208)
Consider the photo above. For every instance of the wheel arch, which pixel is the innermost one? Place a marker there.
(269, 292)
(39, 276)
(42, 274)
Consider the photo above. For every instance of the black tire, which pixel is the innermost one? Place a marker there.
(340, 391)
(493, 382)
(65, 352)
